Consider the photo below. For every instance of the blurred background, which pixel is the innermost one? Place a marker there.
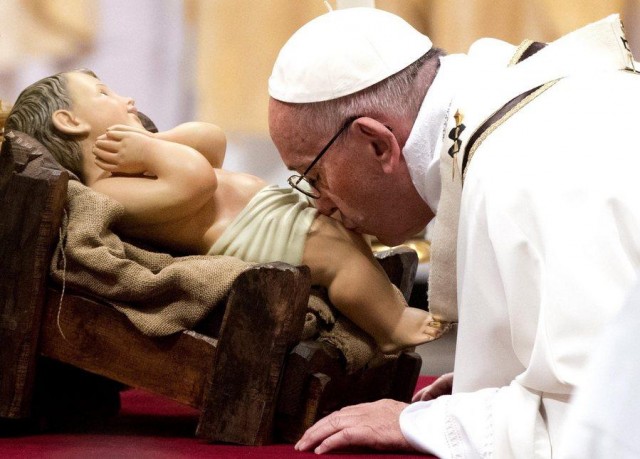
(209, 60)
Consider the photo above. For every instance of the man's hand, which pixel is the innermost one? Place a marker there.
(372, 425)
(441, 386)
(122, 149)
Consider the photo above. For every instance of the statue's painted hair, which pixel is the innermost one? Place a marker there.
(32, 114)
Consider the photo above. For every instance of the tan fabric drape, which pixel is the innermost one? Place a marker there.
(239, 40)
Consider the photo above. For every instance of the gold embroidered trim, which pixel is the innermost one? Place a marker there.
(507, 115)
(520, 51)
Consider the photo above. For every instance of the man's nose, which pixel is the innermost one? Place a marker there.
(326, 206)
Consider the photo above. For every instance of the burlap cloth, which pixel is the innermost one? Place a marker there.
(162, 294)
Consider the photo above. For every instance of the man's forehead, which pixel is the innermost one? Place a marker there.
(297, 160)
(297, 143)
(296, 149)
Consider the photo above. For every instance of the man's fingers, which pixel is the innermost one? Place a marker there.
(335, 422)
(374, 425)
(441, 386)
(353, 436)
(422, 395)
(319, 431)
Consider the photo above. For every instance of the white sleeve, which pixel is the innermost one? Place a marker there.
(442, 428)
(472, 424)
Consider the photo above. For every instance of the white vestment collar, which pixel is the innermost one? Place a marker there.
(592, 48)
(422, 149)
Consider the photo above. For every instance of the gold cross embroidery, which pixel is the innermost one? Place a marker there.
(454, 135)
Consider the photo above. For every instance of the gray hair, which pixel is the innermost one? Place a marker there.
(399, 96)
(32, 114)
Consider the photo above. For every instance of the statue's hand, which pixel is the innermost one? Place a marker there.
(122, 151)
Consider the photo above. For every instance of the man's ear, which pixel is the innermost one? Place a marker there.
(65, 121)
(380, 141)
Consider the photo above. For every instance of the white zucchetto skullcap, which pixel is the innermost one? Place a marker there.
(343, 52)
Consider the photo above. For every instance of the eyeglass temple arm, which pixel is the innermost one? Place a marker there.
(324, 150)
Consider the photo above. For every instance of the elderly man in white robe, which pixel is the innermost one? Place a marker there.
(528, 157)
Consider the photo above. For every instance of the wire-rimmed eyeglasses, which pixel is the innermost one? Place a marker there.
(300, 181)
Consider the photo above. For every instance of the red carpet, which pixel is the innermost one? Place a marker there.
(150, 427)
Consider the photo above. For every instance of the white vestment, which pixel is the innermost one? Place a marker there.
(548, 241)
(604, 416)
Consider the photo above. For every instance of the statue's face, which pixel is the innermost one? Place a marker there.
(98, 105)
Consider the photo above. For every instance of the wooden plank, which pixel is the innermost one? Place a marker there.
(263, 320)
(99, 339)
(316, 383)
(306, 397)
(31, 203)
(405, 376)
(306, 359)
(312, 407)
(307, 378)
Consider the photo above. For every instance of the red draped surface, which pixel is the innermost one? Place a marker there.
(150, 426)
